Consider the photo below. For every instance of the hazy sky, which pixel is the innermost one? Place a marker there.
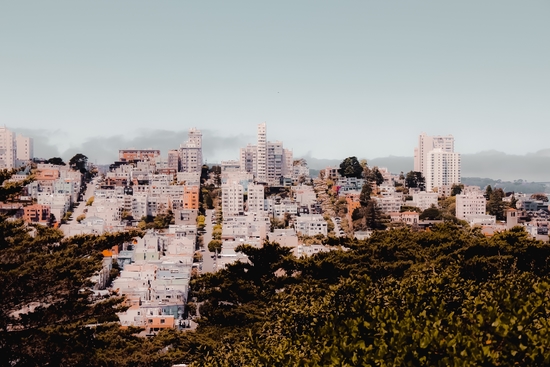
(330, 78)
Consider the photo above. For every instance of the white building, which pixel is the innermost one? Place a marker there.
(470, 204)
(267, 161)
(424, 200)
(256, 198)
(24, 149)
(8, 150)
(191, 152)
(443, 168)
(311, 225)
(428, 143)
(388, 204)
(232, 198)
(261, 153)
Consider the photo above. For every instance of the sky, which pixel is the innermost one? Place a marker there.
(330, 79)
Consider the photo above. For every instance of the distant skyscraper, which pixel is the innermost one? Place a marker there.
(8, 148)
(261, 153)
(428, 143)
(24, 149)
(436, 160)
(191, 152)
(443, 169)
(267, 161)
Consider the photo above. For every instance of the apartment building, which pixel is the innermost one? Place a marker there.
(424, 200)
(267, 161)
(130, 155)
(470, 204)
(24, 149)
(443, 168)
(8, 149)
(191, 152)
(256, 198)
(428, 143)
(232, 198)
(311, 225)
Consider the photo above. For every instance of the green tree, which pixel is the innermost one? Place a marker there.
(540, 196)
(495, 205)
(79, 162)
(456, 189)
(488, 192)
(415, 180)
(350, 167)
(215, 245)
(375, 176)
(431, 213)
(56, 161)
(364, 197)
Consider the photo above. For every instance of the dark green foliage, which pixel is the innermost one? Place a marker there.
(56, 160)
(375, 175)
(415, 180)
(456, 189)
(431, 214)
(78, 162)
(350, 167)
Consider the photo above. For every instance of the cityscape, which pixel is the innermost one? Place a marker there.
(254, 184)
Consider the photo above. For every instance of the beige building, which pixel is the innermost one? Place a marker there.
(470, 204)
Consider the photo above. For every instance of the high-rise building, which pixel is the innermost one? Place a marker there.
(8, 148)
(261, 153)
(267, 161)
(24, 149)
(442, 169)
(426, 144)
(436, 159)
(191, 152)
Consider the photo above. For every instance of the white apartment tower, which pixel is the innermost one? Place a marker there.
(266, 160)
(24, 149)
(436, 160)
(8, 148)
(261, 153)
(428, 143)
(191, 152)
(232, 198)
(443, 168)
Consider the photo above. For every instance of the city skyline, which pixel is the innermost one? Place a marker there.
(331, 80)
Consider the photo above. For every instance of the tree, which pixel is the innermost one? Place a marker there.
(11, 190)
(350, 167)
(215, 245)
(56, 161)
(495, 205)
(456, 189)
(415, 180)
(79, 162)
(373, 216)
(540, 196)
(488, 192)
(431, 213)
(366, 191)
(375, 176)
(46, 305)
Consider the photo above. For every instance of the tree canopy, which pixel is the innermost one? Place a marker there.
(415, 180)
(350, 167)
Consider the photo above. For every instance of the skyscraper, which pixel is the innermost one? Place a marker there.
(436, 160)
(191, 152)
(8, 148)
(261, 153)
(426, 144)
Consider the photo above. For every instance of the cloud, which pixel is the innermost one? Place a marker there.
(104, 149)
(493, 164)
